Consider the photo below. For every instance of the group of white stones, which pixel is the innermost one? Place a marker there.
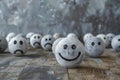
(68, 50)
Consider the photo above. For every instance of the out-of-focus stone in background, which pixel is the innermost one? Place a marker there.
(64, 16)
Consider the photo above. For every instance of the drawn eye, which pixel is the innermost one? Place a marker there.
(0, 40)
(49, 38)
(21, 42)
(65, 46)
(15, 42)
(104, 37)
(99, 43)
(92, 43)
(73, 46)
(45, 39)
(38, 37)
(35, 37)
(118, 39)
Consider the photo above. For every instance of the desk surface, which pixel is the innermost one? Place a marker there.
(38, 64)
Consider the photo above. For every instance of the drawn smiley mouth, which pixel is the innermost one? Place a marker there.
(47, 44)
(70, 59)
(19, 51)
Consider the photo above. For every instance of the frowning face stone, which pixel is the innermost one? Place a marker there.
(35, 40)
(69, 52)
(18, 46)
(116, 43)
(47, 42)
(94, 47)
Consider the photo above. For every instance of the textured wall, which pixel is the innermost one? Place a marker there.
(49, 16)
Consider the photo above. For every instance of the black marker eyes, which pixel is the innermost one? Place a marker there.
(0, 40)
(73, 46)
(92, 43)
(45, 39)
(15, 42)
(104, 37)
(99, 43)
(21, 42)
(118, 39)
(49, 38)
(38, 37)
(35, 37)
(65, 46)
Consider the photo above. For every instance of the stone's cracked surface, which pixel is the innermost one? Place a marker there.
(39, 64)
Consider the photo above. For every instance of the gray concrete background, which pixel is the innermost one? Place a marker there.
(64, 16)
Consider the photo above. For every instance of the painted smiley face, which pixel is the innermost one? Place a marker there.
(3, 44)
(69, 52)
(47, 42)
(94, 47)
(35, 40)
(18, 46)
(116, 43)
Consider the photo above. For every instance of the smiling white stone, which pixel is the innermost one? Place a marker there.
(94, 47)
(47, 42)
(69, 52)
(10, 36)
(116, 43)
(104, 38)
(55, 44)
(87, 37)
(35, 40)
(18, 46)
(3, 44)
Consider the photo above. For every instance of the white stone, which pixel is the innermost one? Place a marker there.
(104, 38)
(69, 52)
(116, 43)
(18, 46)
(47, 42)
(94, 47)
(35, 40)
(10, 36)
(87, 37)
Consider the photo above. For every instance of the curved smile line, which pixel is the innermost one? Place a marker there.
(70, 59)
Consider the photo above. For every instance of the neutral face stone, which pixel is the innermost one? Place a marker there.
(94, 47)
